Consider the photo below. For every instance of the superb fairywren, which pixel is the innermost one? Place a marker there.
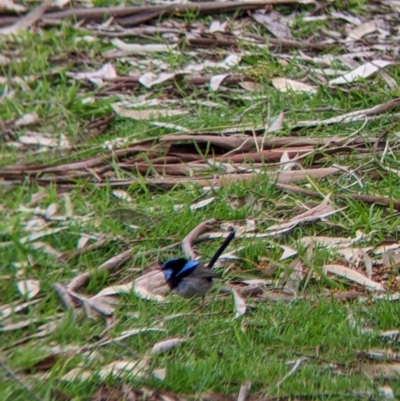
(190, 278)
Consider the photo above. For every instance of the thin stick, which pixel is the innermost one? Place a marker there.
(190, 239)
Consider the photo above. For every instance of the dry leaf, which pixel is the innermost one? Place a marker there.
(160, 373)
(287, 252)
(324, 209)
(121, 194)
(150, 79)
(133, 48)
(240, 304)
(145, 114)
(360, 31)
(29, 288)
(166, 345)
(287, 85)
(97, 77)
(277, 125)
(386, 393)
(296, 277)
(202, 203)
(272, 20)
(217, 26)
(78, 373)
(352, 275)
(382, 370)
(32, 138)
(244, 391)
(118, 368)
(364, 71)
(216, 81)
(27, 119)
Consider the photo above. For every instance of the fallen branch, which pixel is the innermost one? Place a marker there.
(141, 14)
(113, 263)
(367, 199)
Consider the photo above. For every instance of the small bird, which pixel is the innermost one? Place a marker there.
(190, 278)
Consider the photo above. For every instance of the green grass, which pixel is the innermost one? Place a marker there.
(221, 352)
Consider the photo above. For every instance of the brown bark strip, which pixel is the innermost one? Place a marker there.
(205, 8)
(367, 199)
(28, 20)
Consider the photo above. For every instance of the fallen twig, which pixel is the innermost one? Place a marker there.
(187, 243)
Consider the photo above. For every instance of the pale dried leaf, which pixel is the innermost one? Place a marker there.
(118, 368)
(167, 345)
(115, 290)
(244, 391)
(277, 125)
(16, 326)
(364, 71)
(160, 373)
(287, 85)
(296, 277)
(150, 79)
(27, 119)
(138, 48)
(216, 81)
(202, 204)
(347, 17)
(145, 114)
(392, 84)
(287, 252)
(10, 6)
(83, 240)
(51, 210)
(46, 248)
(240, 304)
(97, 77)
(229, 62)
(69, 210)
(386, 393)
(217, 26)
(249, 85)
(121, 194)
(177, 128)
(361, 30)
(78, 373)
(386, 246)
(29, 288)
(367, 264)
(273, 21)
(381, 370)
(32, 138)
(352, 275)
(324, 209)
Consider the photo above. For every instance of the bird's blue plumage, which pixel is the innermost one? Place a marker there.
(188, 267)
(190, 278)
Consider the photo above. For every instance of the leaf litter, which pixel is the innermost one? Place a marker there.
(235, 154)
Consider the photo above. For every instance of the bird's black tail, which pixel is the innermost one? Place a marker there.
(221, 249)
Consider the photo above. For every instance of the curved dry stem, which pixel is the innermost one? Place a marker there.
(191, 238)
